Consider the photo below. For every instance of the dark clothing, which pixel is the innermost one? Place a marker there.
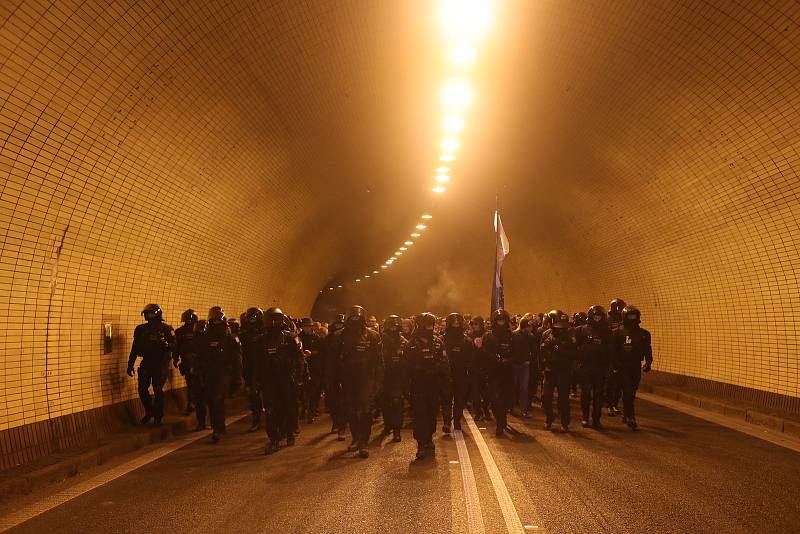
(395, 380)
(277, 373)
(334, 399)
(220, 369)
(497, 345)
(631, 347)
(316, 371)
(254, 348)
(154, 342)
(594, 359)
(459, 351)
(361, 371)
(479, 379)
(522, 354)
(558, 351)
(429, 373)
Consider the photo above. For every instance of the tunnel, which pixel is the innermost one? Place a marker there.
(313, 155)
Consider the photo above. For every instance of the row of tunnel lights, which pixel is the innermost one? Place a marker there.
(464, 23)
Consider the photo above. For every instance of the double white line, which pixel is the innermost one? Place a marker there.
(474, 515)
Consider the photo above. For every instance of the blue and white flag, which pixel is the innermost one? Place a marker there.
(502, 248)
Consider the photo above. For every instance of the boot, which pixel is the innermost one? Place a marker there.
(397, 438)
(272, 447)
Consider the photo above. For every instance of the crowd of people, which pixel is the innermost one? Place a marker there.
(363, 369)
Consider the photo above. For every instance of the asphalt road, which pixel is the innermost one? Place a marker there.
(676, 474)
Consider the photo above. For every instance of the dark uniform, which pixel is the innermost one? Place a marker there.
(254, 349)
(594, 358)
(277, 376)
(312, 343)
(334, 399)
(558, 350)
(395, 375)
(497, 344)
(154, 341)
(614, 382)
(361, 372)
(220, 355)
(631, 347)
(479, 375)
(536, 366)
(459, 351)
(185, 354)
(522, 351)
(429, 373)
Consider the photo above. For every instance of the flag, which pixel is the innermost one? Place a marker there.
(502, 249)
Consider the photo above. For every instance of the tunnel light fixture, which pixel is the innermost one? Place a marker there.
(330, 289)
(408, 243)
(452, 124)
(403, 248)
(398, 253)
(442, 170)
(366, 276)
(338, 286)
(426, 216)
(421, 227)
(375, 272)
(463, 55)
(384, 266)
(358, 279)
(447, 157)
(416, 234)
(450, 145)
(456, 95)
(439, 189)
(442, 178)
(465, 20)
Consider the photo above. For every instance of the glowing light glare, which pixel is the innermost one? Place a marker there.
(447, 157)
(384, 266)
(456, 94)
(403, 248)
(442, 178)
(463, 55)
(421, 227)
(366, 276)
(330, 289)
(415, 234)
(358, 279)
(450, 145)
(426, 216)
(452, 124)
(338, 286)
(465, 20)
(409, 243)
(442, 170)
(375, 272)
(398, 253)
(439, 189)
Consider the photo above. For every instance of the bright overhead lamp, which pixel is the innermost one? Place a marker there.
(416, 234)
(452, 124)
(330, 289)
(442, 170)
(456, 94)
(426, 216)
(450, 144)
(366, 276)
(442, 178)
(463, 55)
(403, 248)
(421, 227)
(375, 272)
(447, 157)
(384, 266)
(358, 279)
(409, 243)
(398, 253)
(338, 286)
(439, 189)
(465, 20)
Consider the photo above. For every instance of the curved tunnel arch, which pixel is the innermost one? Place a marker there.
(247, 153)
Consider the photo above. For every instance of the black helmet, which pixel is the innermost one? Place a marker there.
(336, 325)
(253, 317)
(455, 321)
(631, 315)
(233, 324)
(189, 317)
(200, 326)
(616, 306)
(340, 318)
(152, 313)
(216, 316)
(558, 319)
(274, 318)
(392, 324)
(596, 315)
(579, 319)
(356, 314)
(501, 315)
(426, 321)
(306, 322)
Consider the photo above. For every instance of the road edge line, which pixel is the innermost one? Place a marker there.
(471, 497)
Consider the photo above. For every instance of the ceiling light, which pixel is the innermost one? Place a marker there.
(358, 279)
(450, 144)
(330, 289)
(438, 189)
(409, 243)
(442, 178)
(452, 124)
(366, 276)
(415, 234)
(338, 286)
(403, 248)
(447, 157)
(442, 170)
(384, 266)
(398, 253)
(375, 272)
(426, 216)
(463, 55)
(456, 94)
(465, 20)
(421, 227)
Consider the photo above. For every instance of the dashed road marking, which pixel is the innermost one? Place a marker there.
(48, 503)
(513, 522)
(473, 503)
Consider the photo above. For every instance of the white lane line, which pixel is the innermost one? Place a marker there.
(57, 499)
(473, 502)
(513, 522)
(760, 432)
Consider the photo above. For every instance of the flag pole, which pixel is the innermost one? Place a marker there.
(496, 248)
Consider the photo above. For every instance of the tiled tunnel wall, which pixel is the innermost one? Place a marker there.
(169, 151)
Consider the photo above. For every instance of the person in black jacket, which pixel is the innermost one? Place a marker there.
(154, 341)
(395, 376)
(631, 347)
(361, 372)
(312, 343)
(277, 374)
(221, 355)
(185, 354)
(522, 352)
(429, 373)
(558, 350)
(334, 399)
(479, 372)
(594, 358)
(614, 382)
(497, 344)
(253, 337)
(458, 349)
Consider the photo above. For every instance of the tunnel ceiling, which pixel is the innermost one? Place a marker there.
(241, 153)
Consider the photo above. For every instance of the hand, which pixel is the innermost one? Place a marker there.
(478, 342)
(646, 368)
(130, 371)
